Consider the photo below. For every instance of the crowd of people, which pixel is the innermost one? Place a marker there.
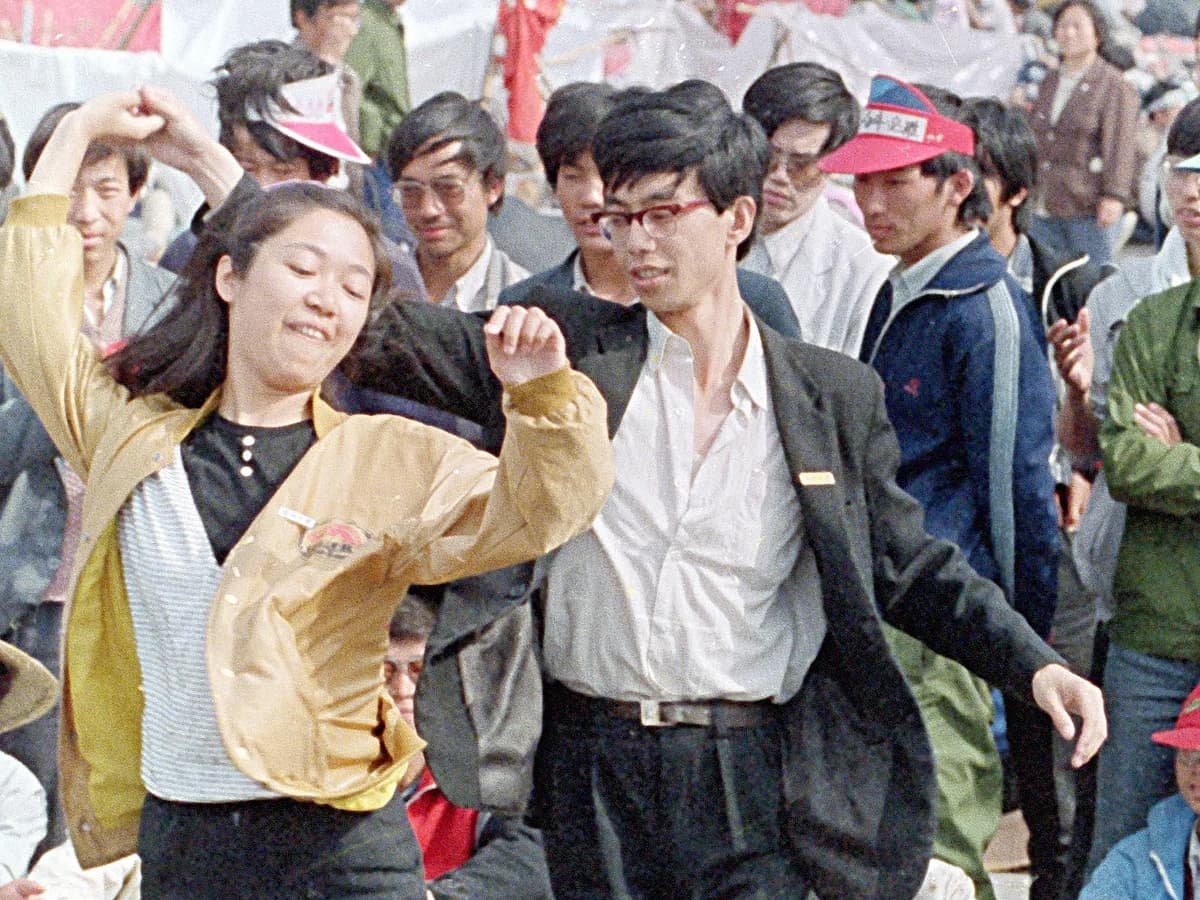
(390, 537)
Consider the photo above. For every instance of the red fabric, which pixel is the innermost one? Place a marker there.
(445, 832)
(524, 24)
(732, 23)
(106, 24)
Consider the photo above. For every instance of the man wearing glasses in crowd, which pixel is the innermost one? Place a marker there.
(823, 260)
(449, 158)
(722, 714)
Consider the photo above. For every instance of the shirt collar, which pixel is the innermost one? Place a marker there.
(915, 278)
(1020, 264)
(464, 291)
(750, 384)
(781, 244)
(112, 287)
(578, 279)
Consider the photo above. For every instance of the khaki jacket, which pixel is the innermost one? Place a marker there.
(1091, 151)
(298, 626)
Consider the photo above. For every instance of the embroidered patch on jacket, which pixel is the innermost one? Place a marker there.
(333, 539)
(913, 387)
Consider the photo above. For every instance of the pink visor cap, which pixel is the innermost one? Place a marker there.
(315, 119)
(899, 127)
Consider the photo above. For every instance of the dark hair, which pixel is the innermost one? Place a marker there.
(137, 161)
(249, 80)
(976, 208)
(804, 91)
(311, 7)
(184, 355)
(687, 128)
(413, 620)
(1183, 138)
(1099, 21)
(573, 114)
(1196, 28)
(444, 119)
(8, 154)
(1006, 149)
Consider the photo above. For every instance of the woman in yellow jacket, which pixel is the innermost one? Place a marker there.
(243, 544)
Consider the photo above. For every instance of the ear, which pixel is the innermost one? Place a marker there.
(226, 280)
(1018, 198)
(493, 190)
(744, 211)
(958, 187)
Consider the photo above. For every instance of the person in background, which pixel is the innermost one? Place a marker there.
(40, 524)
(969, 393)
(449, 159)
(564, 143)
(826, 263)
(1162, 860)
(1057, 283)
(467, 853)
(1085, 119)
(1149, 439)
(379, 55)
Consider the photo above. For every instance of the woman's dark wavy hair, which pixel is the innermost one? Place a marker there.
(184, 356)
(687, 127)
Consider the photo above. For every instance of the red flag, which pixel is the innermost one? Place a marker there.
(525, 24)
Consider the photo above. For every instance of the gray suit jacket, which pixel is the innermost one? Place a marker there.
(858, 780)
(34, 510)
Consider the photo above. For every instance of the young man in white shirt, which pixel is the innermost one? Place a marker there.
(824, 261)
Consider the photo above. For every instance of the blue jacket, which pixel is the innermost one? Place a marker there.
(1147, 865)
(764, 295)
(969, 392)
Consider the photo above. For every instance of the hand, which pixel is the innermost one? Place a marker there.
(1157, 423)
(115, 118)
(523, 344)
(1108, 210)
(19, 889)
(1072, 342)
(185, 144)
(1074, 503)
(1060, 693)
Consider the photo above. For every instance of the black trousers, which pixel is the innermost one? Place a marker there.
(277, 849)
(628, 810)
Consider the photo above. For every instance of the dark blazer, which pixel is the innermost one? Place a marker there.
(765, 296)
(858, 781)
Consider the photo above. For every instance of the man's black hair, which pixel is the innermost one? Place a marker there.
(311, 7)
(804, 91)
(8, 154)
(573, 113)
(687, 128)
(1006, 149)
(444, 119)
(250, 79)
(413, 620)
(976, 209)
(1183, 138)
(137, 161)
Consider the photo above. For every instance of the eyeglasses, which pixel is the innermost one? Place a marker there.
(410, 667)
(801, 168)
(447, 190)
(657, 221)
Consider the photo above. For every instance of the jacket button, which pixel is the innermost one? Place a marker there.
(227, 672)
(85, 827)
(241, 752)
(231, 599)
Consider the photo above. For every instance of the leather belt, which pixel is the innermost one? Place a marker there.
(663, 713)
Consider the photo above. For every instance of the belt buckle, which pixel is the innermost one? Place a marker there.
(651, 713)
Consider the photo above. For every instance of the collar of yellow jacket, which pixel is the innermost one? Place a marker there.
(324, 417)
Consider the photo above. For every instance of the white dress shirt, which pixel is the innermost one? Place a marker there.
(467, 294)
(681, 590)
(831, 274)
